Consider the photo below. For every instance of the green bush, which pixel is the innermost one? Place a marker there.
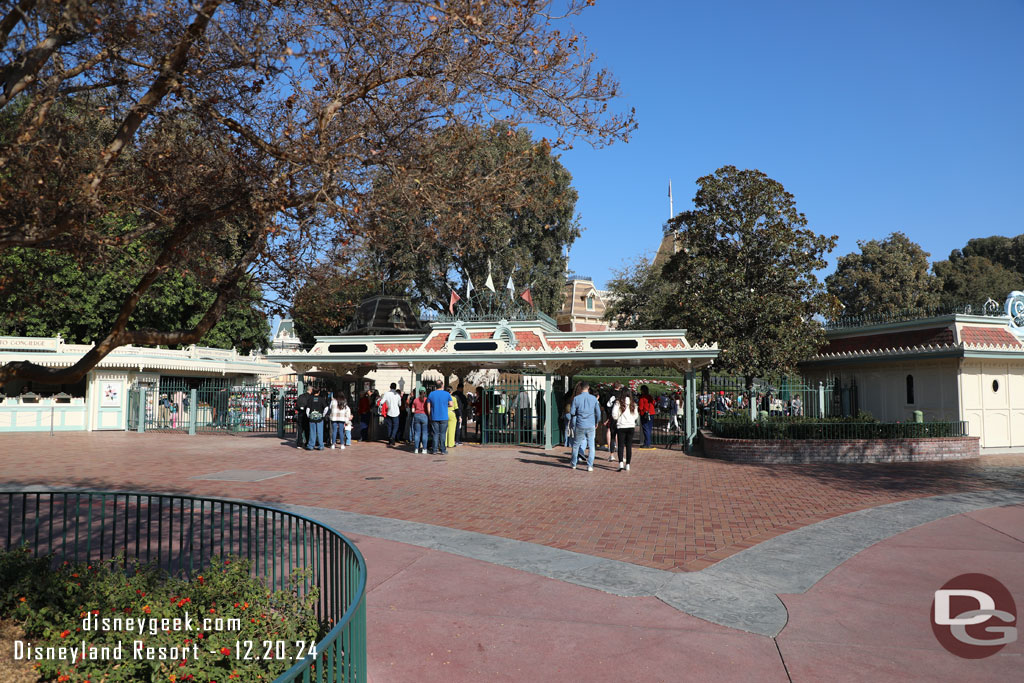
(51, 605)
(864, 426)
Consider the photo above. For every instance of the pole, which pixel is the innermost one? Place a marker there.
(51, 420)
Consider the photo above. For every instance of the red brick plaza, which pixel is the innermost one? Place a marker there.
(671, 511)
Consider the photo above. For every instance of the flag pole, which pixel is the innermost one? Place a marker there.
(671, 213)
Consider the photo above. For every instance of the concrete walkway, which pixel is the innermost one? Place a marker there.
(843, 598)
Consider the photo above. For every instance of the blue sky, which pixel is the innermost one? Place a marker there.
(877, 116)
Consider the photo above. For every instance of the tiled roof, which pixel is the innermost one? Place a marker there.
(988, 336)
(933, 336)
(528, 340)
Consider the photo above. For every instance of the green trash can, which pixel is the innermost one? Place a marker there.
(918, 416)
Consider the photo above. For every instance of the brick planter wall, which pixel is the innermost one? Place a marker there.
(840, 450)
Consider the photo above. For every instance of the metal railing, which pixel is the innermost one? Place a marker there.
(797, 430)
(988, 308)
(180, 533)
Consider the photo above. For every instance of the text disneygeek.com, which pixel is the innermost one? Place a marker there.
(137, 648)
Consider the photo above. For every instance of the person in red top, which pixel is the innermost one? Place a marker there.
(646, 405)
(419, 422)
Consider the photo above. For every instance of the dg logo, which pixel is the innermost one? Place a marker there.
(974, 616)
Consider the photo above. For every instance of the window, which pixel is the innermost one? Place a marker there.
(910, 390)
(995, 386)
(590, 302)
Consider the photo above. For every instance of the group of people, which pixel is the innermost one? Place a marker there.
(722, 403)
(436, 420)
(620, 412)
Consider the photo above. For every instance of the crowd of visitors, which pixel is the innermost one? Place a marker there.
(711, 403)
(431, 422)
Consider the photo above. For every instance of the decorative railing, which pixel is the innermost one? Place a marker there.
(180, 533)
(989, 308)
(798, 430)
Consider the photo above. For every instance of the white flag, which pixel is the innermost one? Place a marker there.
(490, 282)
(469, 286)
(511, 288)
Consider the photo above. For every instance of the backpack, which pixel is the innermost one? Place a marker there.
(316, 416)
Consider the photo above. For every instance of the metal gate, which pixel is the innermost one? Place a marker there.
(667, 425)
(514, 411)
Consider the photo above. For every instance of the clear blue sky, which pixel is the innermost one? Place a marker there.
(877, 116)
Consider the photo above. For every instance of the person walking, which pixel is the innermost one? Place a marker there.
(315, 412)
(391, 409)
(584, 418)
(647, 409)
(302, 417)
(341, 422)
(612, 431)
(675, 409)
(420, 422)
(438, 402)
(626, 414)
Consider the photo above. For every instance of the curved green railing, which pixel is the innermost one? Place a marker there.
(179, 533)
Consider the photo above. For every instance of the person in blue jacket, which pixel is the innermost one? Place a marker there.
(584, 417)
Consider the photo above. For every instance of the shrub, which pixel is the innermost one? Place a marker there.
(51, 606)
(864, 426)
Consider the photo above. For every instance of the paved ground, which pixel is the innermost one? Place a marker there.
(845, 612)
(670, 511)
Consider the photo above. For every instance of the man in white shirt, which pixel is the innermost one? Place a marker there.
(391, 404)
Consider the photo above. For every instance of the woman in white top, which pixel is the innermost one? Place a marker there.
(341, 419)
(626, 415)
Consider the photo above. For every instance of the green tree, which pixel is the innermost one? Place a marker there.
(327, 301)
(47, 292)
(886, 276)
(971, 279)
(743, 275)
(242, 139)
(639, 296)
(504, 199)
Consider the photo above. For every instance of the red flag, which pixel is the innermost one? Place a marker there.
(525, 296)
(451, 302)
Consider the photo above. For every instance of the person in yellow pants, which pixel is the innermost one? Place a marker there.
(451, 427)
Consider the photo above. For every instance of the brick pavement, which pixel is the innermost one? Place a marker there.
(670, 512)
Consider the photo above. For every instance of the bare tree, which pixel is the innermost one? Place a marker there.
(241, 137)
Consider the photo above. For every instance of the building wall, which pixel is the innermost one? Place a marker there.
(993, 401)
(950, 389)
(882, 389)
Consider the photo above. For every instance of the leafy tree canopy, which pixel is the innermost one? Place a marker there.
(48, 293)
(505, 200)
(886, 276)
(969, 277)
(743, 275)
(243, 141)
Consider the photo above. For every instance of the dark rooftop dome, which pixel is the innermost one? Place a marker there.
(385, 314)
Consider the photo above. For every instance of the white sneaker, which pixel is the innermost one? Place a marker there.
(332, 446)
(342, 446)
(627, 467)
(621, 465)
(590, 468)
(611, 457)
(573, 466)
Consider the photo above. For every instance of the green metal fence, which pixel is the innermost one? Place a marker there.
(513, 413)
(783, 429)
(194, 406)
(179, 533)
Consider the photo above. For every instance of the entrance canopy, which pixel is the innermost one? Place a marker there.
(532, 342)
(526, 342)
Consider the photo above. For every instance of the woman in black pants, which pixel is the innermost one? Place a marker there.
(626, 416)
